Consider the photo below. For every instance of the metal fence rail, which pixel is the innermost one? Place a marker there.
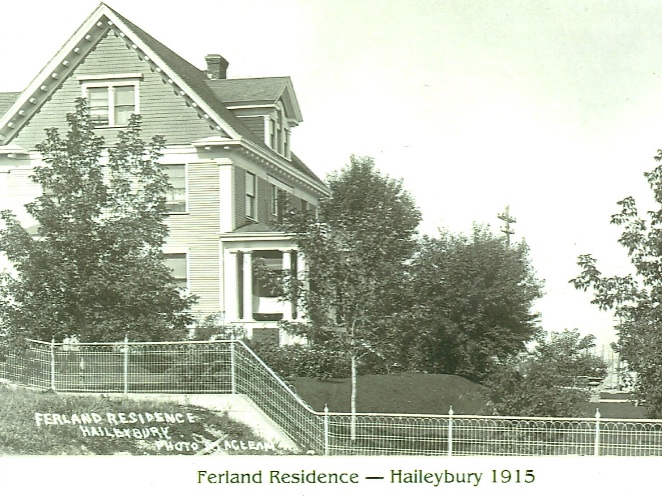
(228, 367)
(168, 367)
(277, 400)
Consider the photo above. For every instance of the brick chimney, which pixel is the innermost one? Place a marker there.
(217, 66)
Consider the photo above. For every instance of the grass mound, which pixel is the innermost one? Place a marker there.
(425, 394)
(45, 423)
(431, 394)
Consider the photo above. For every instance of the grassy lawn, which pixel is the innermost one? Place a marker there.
(619, 410)
(44, 423)
(430, 394)
(397, 393)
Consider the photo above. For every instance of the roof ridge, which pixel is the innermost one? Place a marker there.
(190, 78)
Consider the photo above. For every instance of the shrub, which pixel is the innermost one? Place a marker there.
(214, 327)
(298, 360)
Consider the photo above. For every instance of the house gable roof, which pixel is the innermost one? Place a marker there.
(257, 91)
(185, 78)
(188, 81)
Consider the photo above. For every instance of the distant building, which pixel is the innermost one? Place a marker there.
(228, 156)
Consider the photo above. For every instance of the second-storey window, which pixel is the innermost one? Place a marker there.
(176, 194)
(251, 186)
(277, 203)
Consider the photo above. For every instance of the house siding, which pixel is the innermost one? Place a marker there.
(255, 124)
(197, 232)
(240, 197)
(163, 112)
(20, 189)
(216, 175)
(263, 199)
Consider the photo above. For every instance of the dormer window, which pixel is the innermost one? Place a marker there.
(112, 98)
(279, 132)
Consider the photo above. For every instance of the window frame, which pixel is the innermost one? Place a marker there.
(179, 255)
(111, 82)
(273, 262)
(186, 202)
(279, 134)
(250, 198)
(278, 202)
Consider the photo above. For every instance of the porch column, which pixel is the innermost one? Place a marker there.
(248, 285)
(301, 269)
(231, 289)
(287, 269)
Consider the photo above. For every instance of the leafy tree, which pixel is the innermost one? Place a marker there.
(550, 381)
(571, 354)
(471, 303)
(355, 248)
(635, 298)
(94, 268)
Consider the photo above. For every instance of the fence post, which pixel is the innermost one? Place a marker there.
(326, 430)
(450, 431)
(53, 363)
(233, 372)
(126, 364)
(596, 448)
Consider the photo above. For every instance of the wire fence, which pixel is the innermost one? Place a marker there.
(231, 367)
(175, 367)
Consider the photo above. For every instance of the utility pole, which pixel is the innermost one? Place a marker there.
(508, 220)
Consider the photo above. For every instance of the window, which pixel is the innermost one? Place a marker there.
(112, 98)
(177, 263)
(97, 99)
(277, 202)
(286, 145)
(176, 195)
(266, 278)
(272, 133)
(251, 184)
(112, 105)
(279, 133)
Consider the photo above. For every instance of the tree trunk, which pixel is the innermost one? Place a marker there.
(353, 400)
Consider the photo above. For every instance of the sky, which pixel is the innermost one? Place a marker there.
(550, 107)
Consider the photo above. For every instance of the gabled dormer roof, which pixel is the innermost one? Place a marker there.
(187, 81)
(256, 92)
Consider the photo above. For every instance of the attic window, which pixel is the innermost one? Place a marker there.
(112, 99)
(279, 132)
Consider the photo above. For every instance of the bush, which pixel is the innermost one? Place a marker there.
(550, 381)
(538, 393)
(214, 327)
(298, 360)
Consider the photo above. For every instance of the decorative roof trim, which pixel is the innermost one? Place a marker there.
(106, 77)
(97, 25)
(255, 236)
(47, 81)
(238, 107)
(282, 165)
(289, 99)
(12, 151)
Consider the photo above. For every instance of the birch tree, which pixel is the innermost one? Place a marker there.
(355, 248)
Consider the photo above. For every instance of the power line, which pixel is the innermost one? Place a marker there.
(508, 220)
